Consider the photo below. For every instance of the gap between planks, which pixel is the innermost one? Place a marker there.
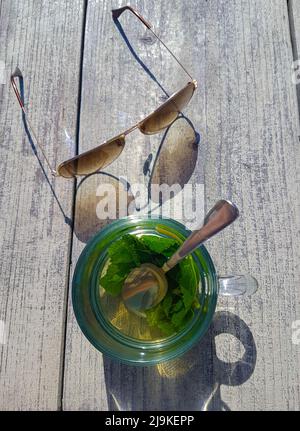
(77, 133)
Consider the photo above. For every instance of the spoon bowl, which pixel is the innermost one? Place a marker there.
(144, 288)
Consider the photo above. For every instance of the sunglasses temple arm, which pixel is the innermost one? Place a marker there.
(117, 12)
(18, 74)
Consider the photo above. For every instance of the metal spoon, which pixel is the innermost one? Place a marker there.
(147, 285)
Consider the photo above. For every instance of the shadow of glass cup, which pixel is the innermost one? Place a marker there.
(191, 382)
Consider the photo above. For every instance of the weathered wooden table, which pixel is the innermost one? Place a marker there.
(82, 80)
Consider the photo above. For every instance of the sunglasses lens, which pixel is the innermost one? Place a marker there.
(92, 160)
(168, 112)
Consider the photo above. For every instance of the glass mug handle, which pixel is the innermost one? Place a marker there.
(237, 285)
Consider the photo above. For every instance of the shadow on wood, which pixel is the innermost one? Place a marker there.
(96, 200)
(191, 382)
(173, 165)
(176, 157)
(67, 219)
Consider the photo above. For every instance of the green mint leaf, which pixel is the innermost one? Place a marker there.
(179, 312)
(124, 250)
(156, 318)
(167, 303)
(160, 245)
(166, 327)
(154, 315)
(173, 276)
(113, 280)
(187, 283)
(112, 283)
(189, 315)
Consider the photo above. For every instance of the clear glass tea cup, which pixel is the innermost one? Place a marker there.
(120, 334)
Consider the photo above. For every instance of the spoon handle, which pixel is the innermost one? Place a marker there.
(221, 215)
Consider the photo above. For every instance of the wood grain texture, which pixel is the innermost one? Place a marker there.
(252, 131)
(246, 112)
(43, 38)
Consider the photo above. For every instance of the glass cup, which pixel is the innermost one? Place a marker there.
(119, 333)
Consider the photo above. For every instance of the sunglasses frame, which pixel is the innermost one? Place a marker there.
(55, 172)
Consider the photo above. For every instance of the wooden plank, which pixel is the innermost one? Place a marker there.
(107, 109)
(252, 129)
(246, 112)
(44, 39)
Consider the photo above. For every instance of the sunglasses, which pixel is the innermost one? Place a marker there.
(103, 155)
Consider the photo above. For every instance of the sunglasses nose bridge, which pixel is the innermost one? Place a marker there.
(131, 129)
(139, 126)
